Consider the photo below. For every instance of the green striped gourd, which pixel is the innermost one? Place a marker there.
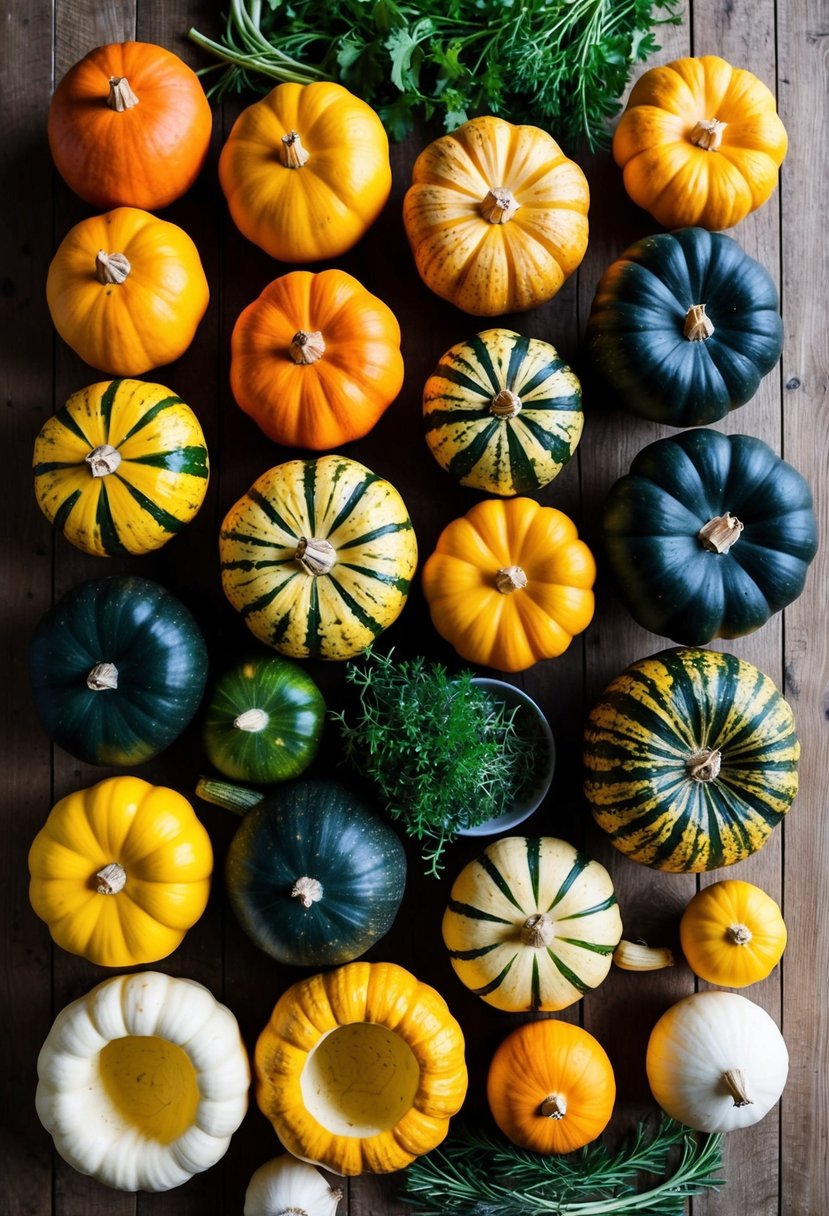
(503, 412)
(532, 924)
(318, 557)
(691, 759)
(121, 468)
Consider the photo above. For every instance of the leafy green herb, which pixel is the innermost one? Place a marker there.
(474, 1175)
(443, 753)
(561, 64)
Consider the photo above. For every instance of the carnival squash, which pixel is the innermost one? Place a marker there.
(360, 1069)
(118, 669)
(318, 557)
(314, 876)
(684, 326)
(531, 924)
(708, 535)
(263, 721)
(129, 125)
(121, 468)
(120, 872)
(700, 142)
(732, 934)
(551, 1087)
(496, 217)
(691, 760)
(126, 291)
(510, 583)
(315, 360)
(716, 1062)
(502, 412)
(305, 171)
(143, 1081)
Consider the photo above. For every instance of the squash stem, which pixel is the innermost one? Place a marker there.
(707, 134)
(509, 579)
(103, 460)
(697, 325)
(307, 347)
(499, 205)
(252, 720)
(111, 267)
(554, 1106)
(505, 404)
(121, 96)
(291, 152)
(307, 890)
(704, 765)
(735, 1083)
(112, 879)
(720, 533)
(236, 798)
(738, 935)
(538, 931)
(103, 676)
(637, 956)
(315, 555)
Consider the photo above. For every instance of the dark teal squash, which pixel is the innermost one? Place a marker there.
(314, 876)
(656, 353)
(118, 669)
(708, 536)
(263, 721)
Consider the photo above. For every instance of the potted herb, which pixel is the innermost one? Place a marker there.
(448, 754)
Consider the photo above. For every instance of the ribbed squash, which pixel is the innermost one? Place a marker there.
(691, 759)
(502, 412)
(732, 934)
(318, 557)
(121, 468)
(531, 924)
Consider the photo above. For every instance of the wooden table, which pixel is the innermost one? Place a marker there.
(778, 1167)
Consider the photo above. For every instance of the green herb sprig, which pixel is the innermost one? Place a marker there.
(560, 64)
(472, 1174)
(442, 753)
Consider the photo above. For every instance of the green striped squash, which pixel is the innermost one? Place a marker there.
(691, 759)
(318, 557)
(532, 924)
(502, 412)
(121, 468)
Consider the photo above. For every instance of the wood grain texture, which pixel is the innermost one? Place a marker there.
(775, 1169)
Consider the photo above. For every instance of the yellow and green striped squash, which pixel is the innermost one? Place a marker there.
(121, 468)
(502, 412)
(318, 557)
(691, 759)
(532, 924)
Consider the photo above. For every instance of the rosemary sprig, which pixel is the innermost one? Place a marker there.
(472, 1174)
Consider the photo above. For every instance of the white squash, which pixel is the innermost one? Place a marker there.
(143, 1081)
(285, 1185)
(716, 1061)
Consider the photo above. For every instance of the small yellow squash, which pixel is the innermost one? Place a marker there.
(732, 934)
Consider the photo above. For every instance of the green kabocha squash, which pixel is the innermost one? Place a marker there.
(314, 875)
(532, 924)
(691, 760)
(708, 535)
(684, 326)
(263, 721)
(118, 669)
(318, 557)
(121, 468)
(502, 412)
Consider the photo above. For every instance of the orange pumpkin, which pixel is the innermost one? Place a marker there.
(127, 291)
(129, 125)
(509, 583)
(316, 359)
(306, 171)
(496, 217)
(732, 933)
(551, 1087)
(700, 143)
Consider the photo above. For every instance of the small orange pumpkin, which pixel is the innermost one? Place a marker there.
(551, 1087)
(129, 125)
(306, 171)
(732, 933)
(700, 143)
(127, 291)
(510, 583)
(316, 359)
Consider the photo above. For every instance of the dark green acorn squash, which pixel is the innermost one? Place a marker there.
(708, 536)
(118, 669)
(314, 876)
(684, 326)
(691, 760)
(263, 721)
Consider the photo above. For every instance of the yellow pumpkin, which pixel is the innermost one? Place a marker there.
(360, 1069)
(700, 143)
(496, 217)
(510, 583)
(120, 871)
(306, 171)
(127, 291)
(732, 934)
